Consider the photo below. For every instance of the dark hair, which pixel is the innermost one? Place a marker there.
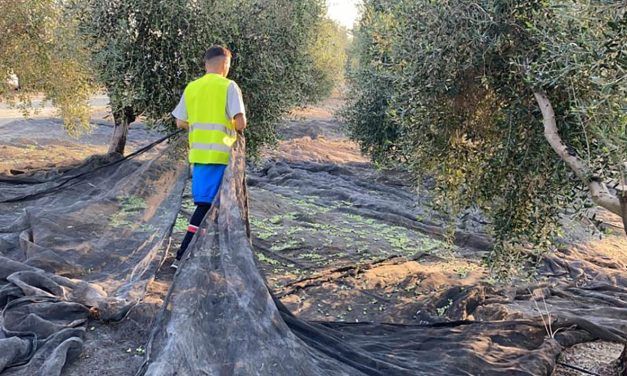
(215, 51)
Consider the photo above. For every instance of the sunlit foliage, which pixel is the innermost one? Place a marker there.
(329, 59)
(39, 47)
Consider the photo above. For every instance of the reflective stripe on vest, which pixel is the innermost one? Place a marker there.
(211, 132)
(212, 127)
(216, 147)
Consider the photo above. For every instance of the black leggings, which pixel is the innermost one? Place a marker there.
(197, 217)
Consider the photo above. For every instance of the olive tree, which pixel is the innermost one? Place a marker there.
(515, 107)
(328, 52)
(146, 51)
(371, 81)
(39, 45)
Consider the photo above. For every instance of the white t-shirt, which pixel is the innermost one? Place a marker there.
(234, 104)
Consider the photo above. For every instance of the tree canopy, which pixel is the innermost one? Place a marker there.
(142, 53)
(39, 45)
(146, 51)
(458, 90)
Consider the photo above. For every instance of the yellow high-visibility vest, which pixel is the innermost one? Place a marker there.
(211, 132)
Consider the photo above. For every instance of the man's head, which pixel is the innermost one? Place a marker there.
(217, 60)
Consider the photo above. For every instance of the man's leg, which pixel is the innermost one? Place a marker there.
(206, 179)
(194, 222)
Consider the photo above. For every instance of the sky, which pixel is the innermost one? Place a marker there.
(343, 11)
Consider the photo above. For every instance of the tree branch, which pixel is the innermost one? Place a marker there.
(598, 190)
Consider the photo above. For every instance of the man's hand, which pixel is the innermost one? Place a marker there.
(239, 121)
(182, 124)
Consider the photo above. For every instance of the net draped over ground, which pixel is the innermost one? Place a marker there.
(86, 251)
(75, 247)
(220, 318)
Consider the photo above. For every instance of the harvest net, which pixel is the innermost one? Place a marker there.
(87, 250)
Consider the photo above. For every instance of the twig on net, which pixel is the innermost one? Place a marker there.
(336, 274)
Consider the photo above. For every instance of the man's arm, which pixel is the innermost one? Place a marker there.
(235, 107)
(239, 121)
(180, 114)
(182, 124)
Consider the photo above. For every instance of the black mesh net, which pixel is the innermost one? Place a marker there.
(87, 250)
(220, 318)
(79, 244)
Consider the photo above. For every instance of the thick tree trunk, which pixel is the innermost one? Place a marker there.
(623, 204)
(122, 119)
(598, 190)
(622, 197)
(118, 139)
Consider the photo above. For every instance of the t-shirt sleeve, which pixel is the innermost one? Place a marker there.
(180, 112)
(235, 102)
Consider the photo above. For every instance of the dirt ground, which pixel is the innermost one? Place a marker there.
(24, 150)
(341, 252)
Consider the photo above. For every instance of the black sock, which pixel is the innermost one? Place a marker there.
(194, 222)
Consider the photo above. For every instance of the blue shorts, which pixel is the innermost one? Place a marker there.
(206, 179)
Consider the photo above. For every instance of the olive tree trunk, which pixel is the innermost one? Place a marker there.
(599, 193)
(122, 120)
(622, 197)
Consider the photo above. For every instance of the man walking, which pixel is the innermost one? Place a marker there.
(212, 109)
